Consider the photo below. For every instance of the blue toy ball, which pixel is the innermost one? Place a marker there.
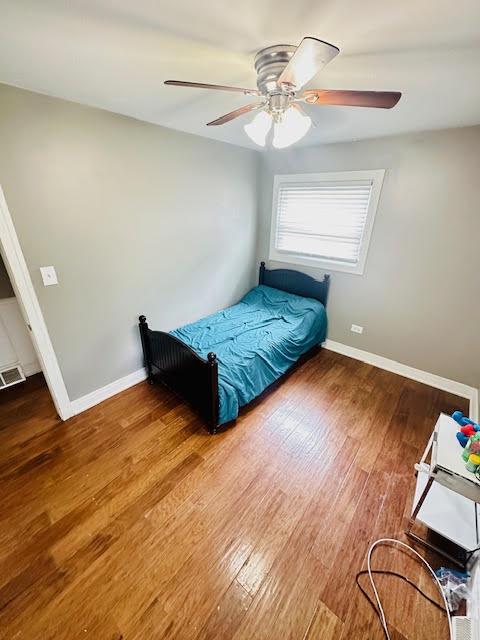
(462, 438)
(463, 420)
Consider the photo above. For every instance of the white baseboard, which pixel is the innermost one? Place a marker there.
(31, 368)
(431, 379)
(109, 390)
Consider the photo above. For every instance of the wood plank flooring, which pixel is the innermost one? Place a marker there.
(130, 522)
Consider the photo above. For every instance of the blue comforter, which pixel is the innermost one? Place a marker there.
(256, 341)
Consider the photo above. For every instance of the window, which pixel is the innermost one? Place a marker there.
(324, 219)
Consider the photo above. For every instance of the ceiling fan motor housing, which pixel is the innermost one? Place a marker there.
(269, 64)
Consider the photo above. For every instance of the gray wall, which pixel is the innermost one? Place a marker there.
(419, 297)
(141, 219)
(134, 217)
(6, 290)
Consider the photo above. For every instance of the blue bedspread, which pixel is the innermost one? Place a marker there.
(256, 341)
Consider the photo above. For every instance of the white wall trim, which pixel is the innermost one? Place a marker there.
(13, 327)
(99, 395)
(431, 379)
(31, 369)
(117, 386)
(457, 388)
(27, 299)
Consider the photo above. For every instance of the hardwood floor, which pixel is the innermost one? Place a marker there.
(130, 521)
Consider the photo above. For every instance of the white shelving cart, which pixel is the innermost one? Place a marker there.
(447, 495)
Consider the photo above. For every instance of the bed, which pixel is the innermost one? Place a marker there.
(223, 361)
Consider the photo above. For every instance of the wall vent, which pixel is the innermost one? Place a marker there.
(462, 628)
(11, 376)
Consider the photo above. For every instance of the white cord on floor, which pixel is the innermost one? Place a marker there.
(377, 597)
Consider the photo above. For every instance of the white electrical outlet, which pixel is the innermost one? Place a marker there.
(356, 328)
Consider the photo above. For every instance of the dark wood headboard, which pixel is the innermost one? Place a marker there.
(295, 282)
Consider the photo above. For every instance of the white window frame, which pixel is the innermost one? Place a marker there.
(375, 175)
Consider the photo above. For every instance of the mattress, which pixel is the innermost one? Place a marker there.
(256, 341)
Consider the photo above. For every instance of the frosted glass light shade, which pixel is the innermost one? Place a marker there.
(292, 128)
(257, 130)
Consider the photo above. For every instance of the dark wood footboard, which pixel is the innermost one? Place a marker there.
(179, 368)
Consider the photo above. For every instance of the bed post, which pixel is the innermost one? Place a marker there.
(326, 284)
(143, 326)
(261, 273)
(213, 422)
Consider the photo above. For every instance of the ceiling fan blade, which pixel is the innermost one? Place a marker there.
(310, 56)
(378, 99)
(216, 87)
(235, 114)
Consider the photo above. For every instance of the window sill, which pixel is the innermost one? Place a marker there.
(317, 263)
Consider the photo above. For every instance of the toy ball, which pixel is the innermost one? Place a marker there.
(462, 439)
(461, 419)
(468, 430)
(473, 463)
(475, 446)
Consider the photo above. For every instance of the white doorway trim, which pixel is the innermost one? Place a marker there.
(27, 299)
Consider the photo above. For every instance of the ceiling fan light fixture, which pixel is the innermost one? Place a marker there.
(292, 127)
(257, 130)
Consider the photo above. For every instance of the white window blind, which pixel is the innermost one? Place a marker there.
(323, 219)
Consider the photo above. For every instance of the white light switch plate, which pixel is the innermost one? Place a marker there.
(48, 275)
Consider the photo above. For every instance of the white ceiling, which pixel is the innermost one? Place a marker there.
(115, 54)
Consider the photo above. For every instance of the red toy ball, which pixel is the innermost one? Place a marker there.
(468, 430)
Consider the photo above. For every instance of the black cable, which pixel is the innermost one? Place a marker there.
(469, 554)
(397, 575)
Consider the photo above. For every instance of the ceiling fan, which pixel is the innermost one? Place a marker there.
(282, 72)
